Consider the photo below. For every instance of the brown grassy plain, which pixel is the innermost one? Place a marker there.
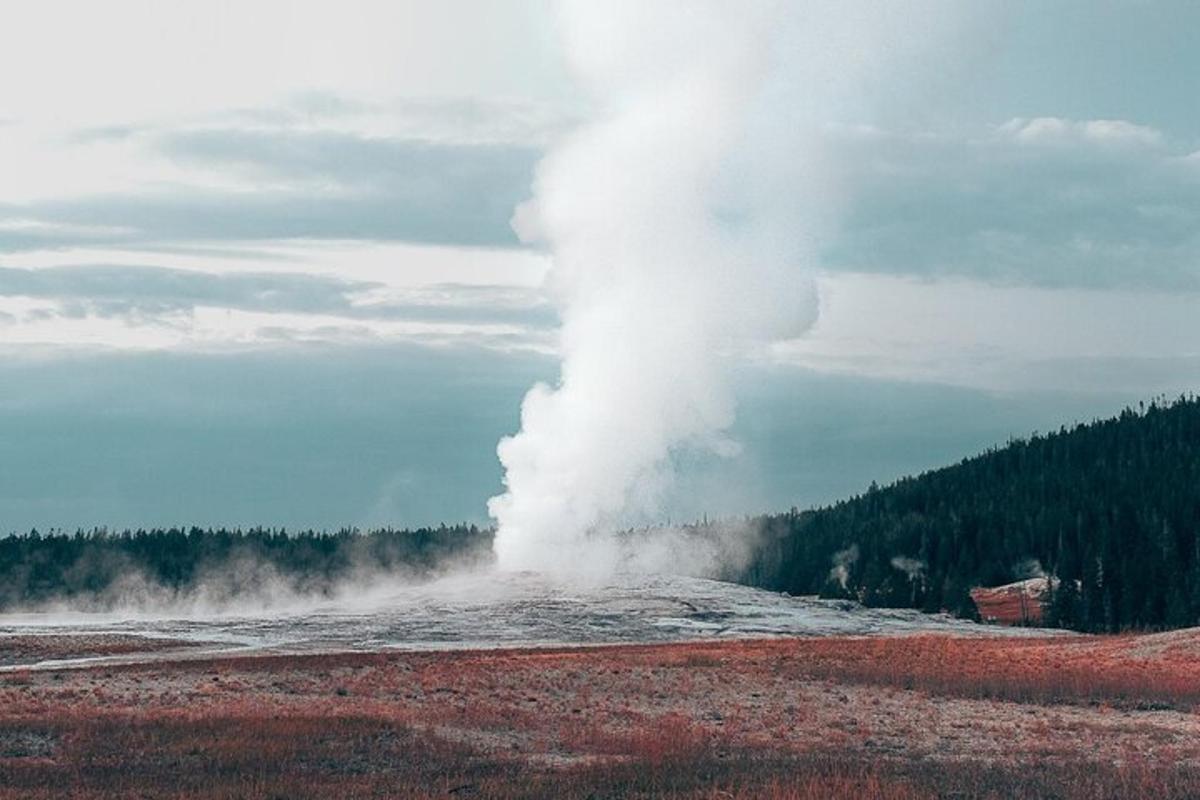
(894, 718)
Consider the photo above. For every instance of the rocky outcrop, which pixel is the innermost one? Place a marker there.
(1020, 603)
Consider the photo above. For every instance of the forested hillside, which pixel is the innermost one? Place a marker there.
(1111, 509)
(98, 567)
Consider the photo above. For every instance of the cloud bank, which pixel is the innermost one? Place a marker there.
(1103, 203)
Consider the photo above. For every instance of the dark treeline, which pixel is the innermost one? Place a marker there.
(36, 568)
(1110, 509)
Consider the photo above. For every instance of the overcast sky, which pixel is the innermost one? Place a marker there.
(256, 264)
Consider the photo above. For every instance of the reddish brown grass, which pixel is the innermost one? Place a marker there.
(1084, 670)
(894, 719)
(223, 758)
(43, 647)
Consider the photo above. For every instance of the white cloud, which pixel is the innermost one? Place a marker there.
(1057, 131)
(490, 298)
(138, 60)
(968, 333)
(391, 263)
(30, 322)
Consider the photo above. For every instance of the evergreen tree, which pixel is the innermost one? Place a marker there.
(1111, 509)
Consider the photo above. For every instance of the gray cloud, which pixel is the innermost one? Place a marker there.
(477, 120)
(1141, 377)
(355, 161)
(115, 290)
(104, 133)
(326, 186)
(1046, 202)
(454, 119)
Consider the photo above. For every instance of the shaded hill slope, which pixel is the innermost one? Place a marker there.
(1110, 508)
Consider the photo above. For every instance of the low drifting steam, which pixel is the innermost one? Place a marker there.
(682, 222)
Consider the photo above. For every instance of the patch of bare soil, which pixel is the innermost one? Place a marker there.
(31, 649)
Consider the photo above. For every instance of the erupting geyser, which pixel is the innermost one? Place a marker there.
(654, 285)
(680, 221)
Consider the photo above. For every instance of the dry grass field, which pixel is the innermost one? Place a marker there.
(891, 717)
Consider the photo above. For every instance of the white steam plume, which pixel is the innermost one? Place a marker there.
(681, 224)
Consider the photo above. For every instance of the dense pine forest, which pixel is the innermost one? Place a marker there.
(1109, 510)
(96, 567)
